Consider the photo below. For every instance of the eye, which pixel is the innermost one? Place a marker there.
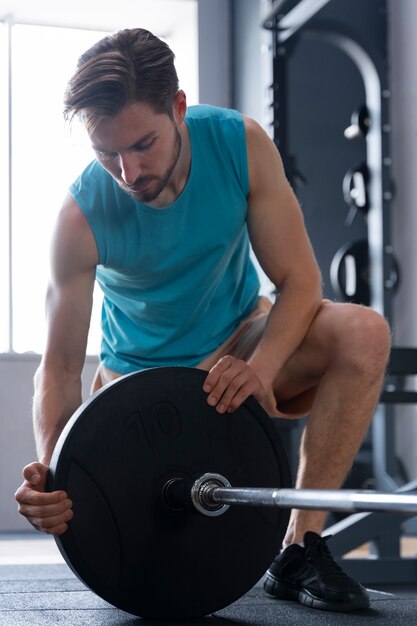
(146, 145)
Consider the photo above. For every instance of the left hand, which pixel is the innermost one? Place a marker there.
(230, 382)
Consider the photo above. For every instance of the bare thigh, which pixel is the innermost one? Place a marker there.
(340, 336)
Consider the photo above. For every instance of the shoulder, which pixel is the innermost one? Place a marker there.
(70, 216)
(93, 180)
(222, 128)
(256, 137)
(264, 160)
(215, 120)
(72, 238)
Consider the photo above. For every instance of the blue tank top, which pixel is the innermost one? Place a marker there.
(176, 280)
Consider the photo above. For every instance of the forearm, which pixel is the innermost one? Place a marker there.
(56, 397)
(287, 325)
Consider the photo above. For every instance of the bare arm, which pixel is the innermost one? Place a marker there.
(68, 311)
(58, 378)
(281, 244)
(280, 241)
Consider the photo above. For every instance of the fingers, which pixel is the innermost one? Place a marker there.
(36, 474)
(54, 524)
(229, 383)
(47, 512)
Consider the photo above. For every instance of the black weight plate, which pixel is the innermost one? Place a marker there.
(358, 251)
(112, 458)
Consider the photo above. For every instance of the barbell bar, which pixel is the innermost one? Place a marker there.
(211, 494)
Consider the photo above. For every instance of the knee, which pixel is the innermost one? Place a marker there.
(363, 339)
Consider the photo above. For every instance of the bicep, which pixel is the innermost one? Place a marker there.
(70, 290)
(275, 220)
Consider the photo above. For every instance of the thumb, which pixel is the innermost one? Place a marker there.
(35, 474)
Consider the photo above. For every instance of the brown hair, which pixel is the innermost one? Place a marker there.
(132, 65)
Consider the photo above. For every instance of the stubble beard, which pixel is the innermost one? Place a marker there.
(149, 195)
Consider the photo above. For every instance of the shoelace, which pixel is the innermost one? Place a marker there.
(320, 556)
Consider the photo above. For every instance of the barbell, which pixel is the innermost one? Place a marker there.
(169, 519)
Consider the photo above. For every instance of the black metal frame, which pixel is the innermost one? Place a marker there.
(290, 21)
(382, 531)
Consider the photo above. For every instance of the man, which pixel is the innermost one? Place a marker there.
(163, 219)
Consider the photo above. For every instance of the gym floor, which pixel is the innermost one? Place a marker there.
(37, 588)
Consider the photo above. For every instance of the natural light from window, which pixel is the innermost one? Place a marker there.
(45, 160)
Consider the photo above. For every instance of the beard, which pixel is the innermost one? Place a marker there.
(147, 188)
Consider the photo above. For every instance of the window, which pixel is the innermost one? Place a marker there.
(45, 159)
(37, 164)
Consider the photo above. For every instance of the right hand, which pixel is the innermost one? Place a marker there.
(47, 512)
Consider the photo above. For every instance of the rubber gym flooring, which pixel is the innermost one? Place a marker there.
(38, 589)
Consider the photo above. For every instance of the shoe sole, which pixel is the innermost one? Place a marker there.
(276, 589)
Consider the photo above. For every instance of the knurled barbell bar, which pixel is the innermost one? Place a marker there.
(141, 457)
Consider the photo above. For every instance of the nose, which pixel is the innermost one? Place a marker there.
(130, 168)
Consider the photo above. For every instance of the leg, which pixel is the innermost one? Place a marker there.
(336, 375)
(339, 371)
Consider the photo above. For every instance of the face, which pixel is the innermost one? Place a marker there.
(140, 148)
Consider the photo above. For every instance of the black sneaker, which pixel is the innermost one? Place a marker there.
(310, 575)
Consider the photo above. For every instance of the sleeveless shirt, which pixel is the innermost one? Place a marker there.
(177, 280)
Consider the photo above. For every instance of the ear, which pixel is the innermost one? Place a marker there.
(179, 107)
